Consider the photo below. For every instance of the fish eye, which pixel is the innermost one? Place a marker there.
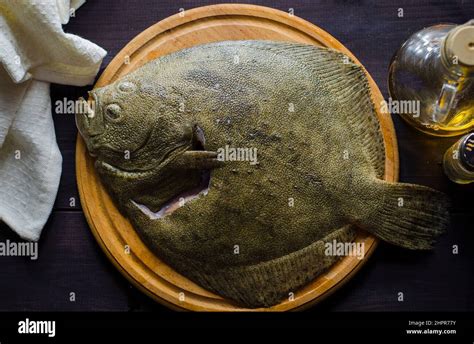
(113, 112)
(126, 87)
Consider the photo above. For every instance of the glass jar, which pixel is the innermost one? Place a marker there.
(431, 77)
(458, 162)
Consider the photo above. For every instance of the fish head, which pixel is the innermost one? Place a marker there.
(129, 128)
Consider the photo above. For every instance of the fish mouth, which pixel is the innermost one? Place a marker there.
(91, 147)
(86, 112)
(137, 173)
(197, 142)
(121, 172)
(92, 144)
(88, 121)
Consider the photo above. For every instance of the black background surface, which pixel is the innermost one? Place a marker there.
(71, 261)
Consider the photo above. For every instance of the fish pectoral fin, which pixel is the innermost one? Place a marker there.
(198, 160)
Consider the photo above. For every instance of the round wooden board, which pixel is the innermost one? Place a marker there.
(114, 233)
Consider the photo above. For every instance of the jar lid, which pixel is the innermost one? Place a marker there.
(466, 151)
(460, 43)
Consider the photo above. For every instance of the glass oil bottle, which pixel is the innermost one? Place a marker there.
(434, 69)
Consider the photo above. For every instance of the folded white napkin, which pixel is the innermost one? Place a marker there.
(34, 51)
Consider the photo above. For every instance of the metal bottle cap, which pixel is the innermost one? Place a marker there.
(460, 43)
(466, 152)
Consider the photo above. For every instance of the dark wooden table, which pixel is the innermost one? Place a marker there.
(70, 261)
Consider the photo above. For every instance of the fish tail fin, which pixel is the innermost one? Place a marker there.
(410, 216)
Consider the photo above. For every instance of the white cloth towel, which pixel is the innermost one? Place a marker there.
(35, 51)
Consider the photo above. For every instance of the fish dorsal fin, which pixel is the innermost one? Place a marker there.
(339, 75)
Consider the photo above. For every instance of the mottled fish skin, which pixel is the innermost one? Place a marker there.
(260, 231)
